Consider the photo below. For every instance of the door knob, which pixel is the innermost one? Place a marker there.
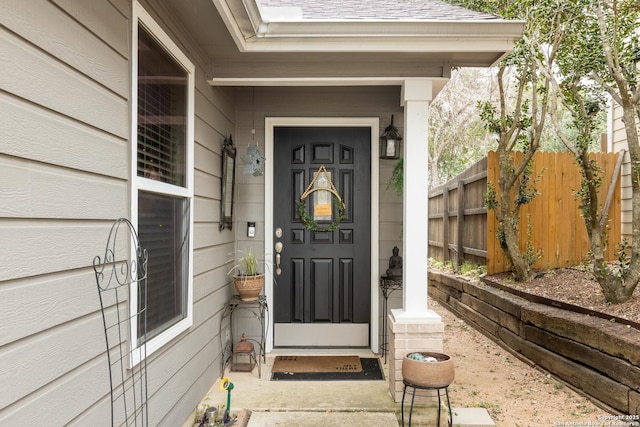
(279, 247)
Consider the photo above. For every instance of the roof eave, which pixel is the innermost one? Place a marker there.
(253, 34)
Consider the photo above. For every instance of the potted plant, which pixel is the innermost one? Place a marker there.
(247, 279)
(428, 369)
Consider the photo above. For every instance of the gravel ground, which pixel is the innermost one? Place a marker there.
(515, 393)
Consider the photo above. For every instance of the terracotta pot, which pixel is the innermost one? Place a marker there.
(249, 287)
(429, 374)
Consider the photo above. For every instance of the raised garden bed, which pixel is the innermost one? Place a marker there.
(597, 355)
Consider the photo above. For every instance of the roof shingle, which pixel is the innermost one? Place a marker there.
(404, 10)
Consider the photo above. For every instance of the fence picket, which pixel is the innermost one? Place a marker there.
(558, 227)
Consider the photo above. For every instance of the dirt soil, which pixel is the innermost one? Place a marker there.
(514, 392)
(575, 286)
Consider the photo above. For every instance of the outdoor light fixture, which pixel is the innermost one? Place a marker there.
(390, 142)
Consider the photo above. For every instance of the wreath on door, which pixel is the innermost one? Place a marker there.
(307, 220)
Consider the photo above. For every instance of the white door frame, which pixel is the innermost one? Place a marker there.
(374, 124)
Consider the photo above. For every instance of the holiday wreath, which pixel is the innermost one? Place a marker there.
(307, 220)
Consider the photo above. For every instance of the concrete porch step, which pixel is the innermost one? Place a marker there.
(471, 417)
(322, 419)
(426, 416)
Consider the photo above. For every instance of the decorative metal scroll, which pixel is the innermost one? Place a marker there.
(324, 209)
(118, 278)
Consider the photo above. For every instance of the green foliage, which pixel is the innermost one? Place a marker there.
(584, 52)
(438, 264)
(530, 254)
(620, 267)
(467, 269)
(312, 224)
(527, 190)
(396, 182)
(245, 263)
(490, 197)
(473, 271)
(583, 194)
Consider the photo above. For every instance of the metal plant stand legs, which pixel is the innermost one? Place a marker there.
(259, 310)
(413, 396)
(387, 286)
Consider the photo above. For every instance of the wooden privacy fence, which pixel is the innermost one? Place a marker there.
(461, 229)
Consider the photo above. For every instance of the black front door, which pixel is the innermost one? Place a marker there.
(323, 295)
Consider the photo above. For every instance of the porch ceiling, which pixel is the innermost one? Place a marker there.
(240, 45)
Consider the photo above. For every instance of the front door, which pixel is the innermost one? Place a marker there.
(322, 297)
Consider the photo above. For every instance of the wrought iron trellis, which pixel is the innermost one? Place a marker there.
(121, 277)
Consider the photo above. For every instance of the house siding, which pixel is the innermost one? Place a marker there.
(254, 105)
(619, 142)
(64, 177)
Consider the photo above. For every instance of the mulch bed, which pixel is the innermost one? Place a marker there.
(573, 286)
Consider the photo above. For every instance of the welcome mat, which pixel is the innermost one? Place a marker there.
(300, 364)
(326, 368)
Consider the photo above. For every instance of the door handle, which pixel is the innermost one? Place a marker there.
(279, 247)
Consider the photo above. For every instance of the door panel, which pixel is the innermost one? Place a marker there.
(325, 274)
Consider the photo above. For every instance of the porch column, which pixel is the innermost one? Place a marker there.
(416, 96)
(414, 327)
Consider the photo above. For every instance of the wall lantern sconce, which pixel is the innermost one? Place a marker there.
(390, 142)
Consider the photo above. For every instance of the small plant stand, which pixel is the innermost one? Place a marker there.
(387, 286)
(259, 310)
(413, 396)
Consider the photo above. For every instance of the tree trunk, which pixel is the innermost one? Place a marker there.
(509, 219)
(618, 289)
(521, 268)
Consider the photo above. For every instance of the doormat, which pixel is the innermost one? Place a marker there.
(300, 364)
(370, 369)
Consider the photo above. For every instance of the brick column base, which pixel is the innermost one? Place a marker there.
(409, 335)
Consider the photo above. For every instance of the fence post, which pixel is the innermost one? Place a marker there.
(445, 223)
(460, 221)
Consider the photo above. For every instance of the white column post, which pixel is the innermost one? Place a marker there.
(416, 96)
(414, 327)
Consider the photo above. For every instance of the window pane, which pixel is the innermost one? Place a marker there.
(162, 112)
(163, 223)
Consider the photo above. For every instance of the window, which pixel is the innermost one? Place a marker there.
(162, 187)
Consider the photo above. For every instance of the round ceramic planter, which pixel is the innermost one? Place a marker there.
(437, 374)
(249, 287)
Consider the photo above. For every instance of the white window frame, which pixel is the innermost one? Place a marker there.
(143, 18)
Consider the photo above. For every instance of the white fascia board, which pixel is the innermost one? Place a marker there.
(252, 33)
(405, 28)
(396, 44)
(231, 23)
(454, 36)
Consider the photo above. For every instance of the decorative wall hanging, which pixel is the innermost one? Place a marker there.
(253, 160)
(325, 198)
(228, 183)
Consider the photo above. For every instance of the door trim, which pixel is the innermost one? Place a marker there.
(374, 124)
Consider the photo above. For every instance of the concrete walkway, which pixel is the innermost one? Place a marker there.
(311, 403)
(328, 419)
(324, 403)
